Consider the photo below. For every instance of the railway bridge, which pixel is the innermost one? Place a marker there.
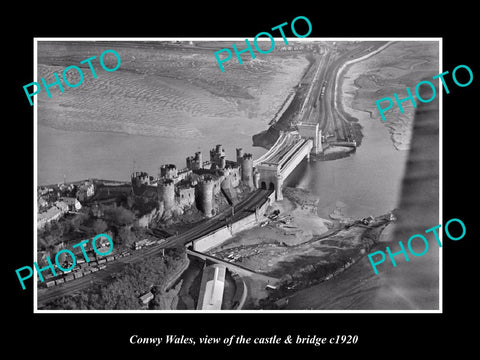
(284, 156)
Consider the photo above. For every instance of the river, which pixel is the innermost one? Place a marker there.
(369, 183)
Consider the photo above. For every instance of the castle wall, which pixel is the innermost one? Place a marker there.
(221, 235)
(186, 196)
(183, 174)
(232, 178)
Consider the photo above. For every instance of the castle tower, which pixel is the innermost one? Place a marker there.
(247, 169)
(222, 162)
(205, 196)
(217, 157)
(198, 160)
(311, 131)
(195, 162)
(212, 155)
(239, 155)
(140, 178)
(168, 171)
(166, 193)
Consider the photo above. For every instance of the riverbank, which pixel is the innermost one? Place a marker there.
(352, 243)
(401, 64)
(298, 247)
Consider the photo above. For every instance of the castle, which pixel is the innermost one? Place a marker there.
(199, 182)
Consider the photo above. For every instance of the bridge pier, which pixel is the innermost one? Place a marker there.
(311, 131)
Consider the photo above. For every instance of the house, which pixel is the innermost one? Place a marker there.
(61, 205)
(44, 191)
(146, 298)
(65, 189)
(52, 214)
(72, 203)
(42, 203)
(85, 191)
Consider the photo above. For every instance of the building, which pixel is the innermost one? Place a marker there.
(85, 191)
(42, 203)
(66, 189)
(72, 203)
(212, 287)
(146, 298)
(63, 206)
(52, 214)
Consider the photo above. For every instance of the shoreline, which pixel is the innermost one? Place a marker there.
(300, 248)
(367, 81)
(278, 299)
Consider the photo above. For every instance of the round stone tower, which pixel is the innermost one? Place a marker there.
(166, 193)
(239, 155)
(168, 171)
(247, 170)
(140, 178)
(222, 162)
(205, 203)
(198, 161)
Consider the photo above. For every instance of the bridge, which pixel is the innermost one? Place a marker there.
(315, 108)
(284, 156)
(292, 147)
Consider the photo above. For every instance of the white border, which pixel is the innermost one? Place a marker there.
(439, 311)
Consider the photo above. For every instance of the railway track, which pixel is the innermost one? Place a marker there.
(242, 209)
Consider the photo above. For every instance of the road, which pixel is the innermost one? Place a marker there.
(317, 108)
(242, 209)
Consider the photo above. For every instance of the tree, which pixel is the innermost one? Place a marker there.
(124, 291)
(119, 215)
(78, 220)
(175, 253)
(126, 237)
(46, 242)
(130, 201)
(99, 226)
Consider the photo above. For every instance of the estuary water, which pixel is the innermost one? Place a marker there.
(369, 182)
